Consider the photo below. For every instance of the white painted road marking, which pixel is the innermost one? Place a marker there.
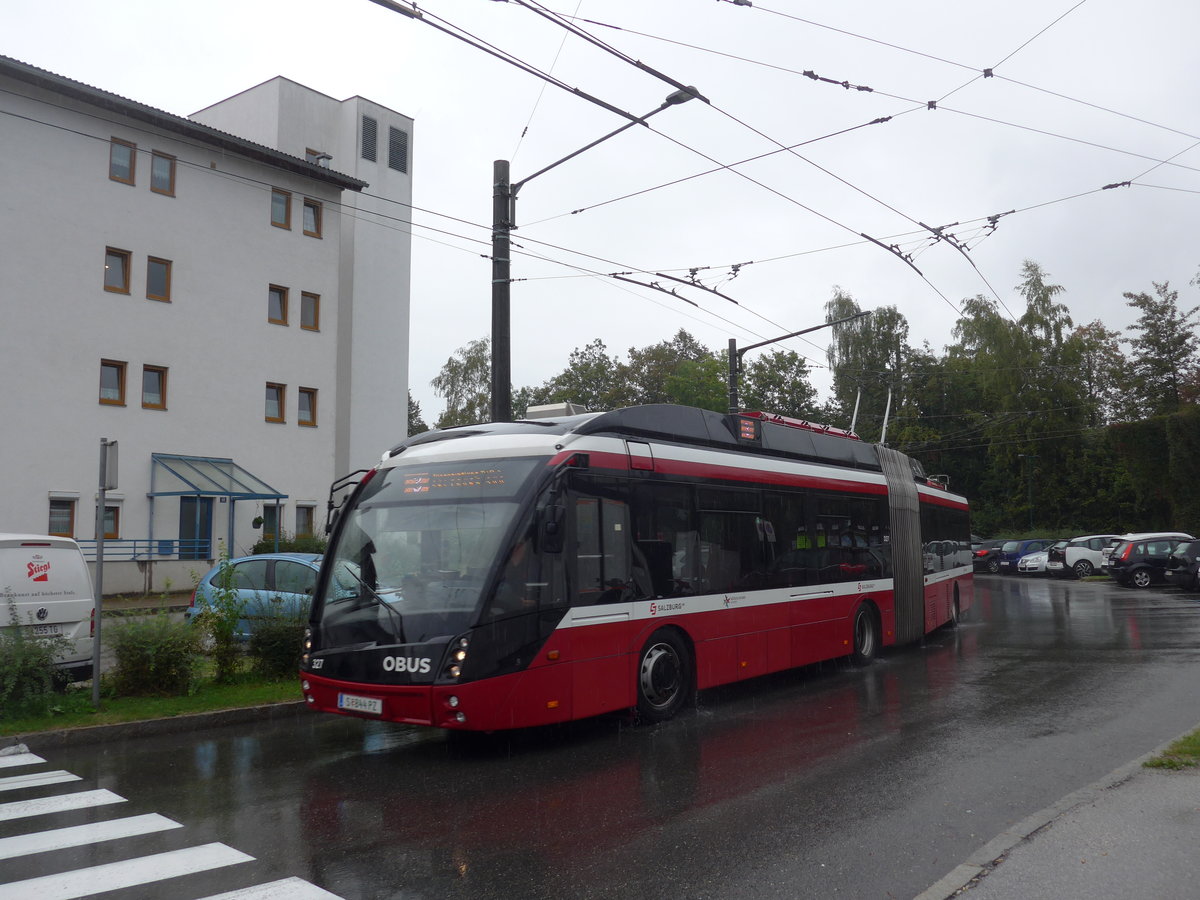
(127, 873)
(16, 782)
(62, 803)
(81, 835)
(19, 759)
(287, 889)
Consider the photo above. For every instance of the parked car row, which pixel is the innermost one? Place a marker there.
(1137, 560)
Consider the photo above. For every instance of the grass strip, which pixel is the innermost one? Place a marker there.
(1182, 754)
(75, 708)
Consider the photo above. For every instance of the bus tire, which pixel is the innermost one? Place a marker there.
(664, 676)
(866, 635)
(955, 611)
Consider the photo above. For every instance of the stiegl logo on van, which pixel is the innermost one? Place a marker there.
(38, 569)
(419, 665)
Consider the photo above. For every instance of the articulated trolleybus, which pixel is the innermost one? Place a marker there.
(507, 575)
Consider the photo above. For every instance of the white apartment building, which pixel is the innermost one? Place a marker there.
(225, 296)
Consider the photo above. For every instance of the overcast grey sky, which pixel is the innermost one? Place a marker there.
(1084, 94)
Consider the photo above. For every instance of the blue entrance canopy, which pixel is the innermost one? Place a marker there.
(206, 476)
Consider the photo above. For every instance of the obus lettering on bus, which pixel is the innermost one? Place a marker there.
(421, 665)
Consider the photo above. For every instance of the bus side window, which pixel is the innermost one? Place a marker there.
(604, 561)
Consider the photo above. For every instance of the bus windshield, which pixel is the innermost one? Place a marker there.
(414, 553)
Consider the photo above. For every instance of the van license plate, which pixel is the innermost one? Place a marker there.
(47, 630)
(360, 704)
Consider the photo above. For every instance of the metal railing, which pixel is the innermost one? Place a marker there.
(148, 550)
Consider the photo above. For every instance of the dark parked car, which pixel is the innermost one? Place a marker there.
(986, 555)
(1183, 566)
(1142, 561)
(1011, 552)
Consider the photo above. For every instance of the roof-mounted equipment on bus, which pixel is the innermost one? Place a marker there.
(554, 411)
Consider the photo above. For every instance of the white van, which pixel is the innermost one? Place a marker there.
(46, 589)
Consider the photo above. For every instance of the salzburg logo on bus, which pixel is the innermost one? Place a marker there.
(38, 569)
(421, 665)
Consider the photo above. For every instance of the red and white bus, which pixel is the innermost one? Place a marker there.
(508, 575)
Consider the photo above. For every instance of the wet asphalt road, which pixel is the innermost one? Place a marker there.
(829, 781)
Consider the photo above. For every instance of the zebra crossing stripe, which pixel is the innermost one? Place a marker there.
(286, 889)
(16, 782)
(19, 759)
(127, 873)
(81, 835)
(23, 809)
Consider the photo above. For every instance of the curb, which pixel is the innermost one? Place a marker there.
(70, 737)
(993, 853)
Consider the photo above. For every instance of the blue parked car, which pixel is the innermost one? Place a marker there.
(268, 585)
(1012, 551)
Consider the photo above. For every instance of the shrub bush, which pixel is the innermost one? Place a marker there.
(275, 646)
(218, 620)
(28, 677)
(291, 543)
(155, 657)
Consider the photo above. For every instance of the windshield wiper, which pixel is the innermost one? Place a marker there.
(380, 602)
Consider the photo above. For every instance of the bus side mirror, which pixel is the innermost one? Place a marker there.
(552, 528)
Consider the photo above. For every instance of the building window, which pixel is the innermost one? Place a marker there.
(312, 217)
(310, 311)
(308, 407)
(154, 387)
(270, 523)
(397, 149)
(370, 138)
(281, 209)
(277, 305)
(112, 523)
(275, 400)
(62, 518)
(112, 382)
(122, 161)
(304, 521)
(158, 279)
(116, 270)
(162, 173)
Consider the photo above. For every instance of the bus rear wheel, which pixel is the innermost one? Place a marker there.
(664, 676)
(866, 636)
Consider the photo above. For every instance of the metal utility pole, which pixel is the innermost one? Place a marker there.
(735, 355)
(504, 197)
(107, 482)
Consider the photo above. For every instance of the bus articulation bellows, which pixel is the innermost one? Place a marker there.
(508, 575)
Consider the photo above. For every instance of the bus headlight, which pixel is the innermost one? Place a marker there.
(458, 656)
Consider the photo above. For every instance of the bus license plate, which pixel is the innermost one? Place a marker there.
(360, 704)
(47, 630)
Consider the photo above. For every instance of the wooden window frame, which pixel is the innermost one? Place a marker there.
(115, 534)
(150, 261)
(170, 189)
(162, 371)
(112, 145)
(283, 303)
(282, 389)
(120, 366)
(287, 208)
(316, 308)
(128, 258)
(311, 421)
(312, 519)
(70, 505)
(318, 213)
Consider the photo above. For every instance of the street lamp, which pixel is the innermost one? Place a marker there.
(504, 195)
(1029, 466)
(735, 355)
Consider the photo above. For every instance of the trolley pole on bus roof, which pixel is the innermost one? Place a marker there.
(735, 355)
(504, 202)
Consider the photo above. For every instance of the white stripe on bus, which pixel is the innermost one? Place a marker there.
(81, 835)
(127, 873)
(23, 809)
(20, 759)
(16, 782)
(286, 889)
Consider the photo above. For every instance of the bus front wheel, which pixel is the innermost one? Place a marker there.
(664, 676)
(866, 635)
